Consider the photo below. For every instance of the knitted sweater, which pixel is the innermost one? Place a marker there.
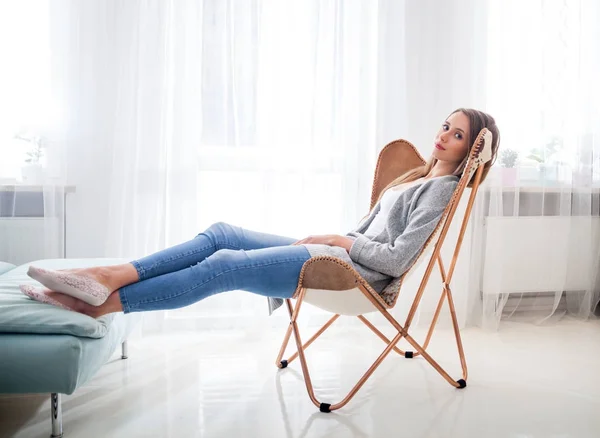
(388, 255)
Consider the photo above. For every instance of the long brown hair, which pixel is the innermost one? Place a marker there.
(477, 121)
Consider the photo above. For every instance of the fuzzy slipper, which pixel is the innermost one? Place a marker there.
(77, 286)
(39, 294)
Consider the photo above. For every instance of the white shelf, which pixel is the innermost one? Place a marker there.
(34, 188)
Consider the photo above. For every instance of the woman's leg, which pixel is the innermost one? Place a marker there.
(218, 236)
(270, 272)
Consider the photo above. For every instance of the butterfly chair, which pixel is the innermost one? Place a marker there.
(333, 285)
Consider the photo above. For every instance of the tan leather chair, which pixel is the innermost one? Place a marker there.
(333, 285)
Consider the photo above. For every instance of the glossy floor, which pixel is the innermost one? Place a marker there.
(524, 381)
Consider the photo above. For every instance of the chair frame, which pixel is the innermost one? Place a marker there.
(402, 329)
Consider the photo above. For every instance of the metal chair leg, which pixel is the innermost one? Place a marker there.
(284, 363)
(56, 414)
(124, 350)
(56, 407)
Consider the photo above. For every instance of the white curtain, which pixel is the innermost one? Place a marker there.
(172, 115)
(539, 235)
(32, 174)
(185, 113)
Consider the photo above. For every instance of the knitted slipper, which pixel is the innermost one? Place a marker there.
(78, 286)
(38, 294)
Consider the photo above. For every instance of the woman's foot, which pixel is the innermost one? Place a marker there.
(91, 285)
(44, 295)
(83, 287)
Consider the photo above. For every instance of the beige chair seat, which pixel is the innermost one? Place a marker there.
(332, 284)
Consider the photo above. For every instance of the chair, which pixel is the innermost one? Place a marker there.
(325, 280)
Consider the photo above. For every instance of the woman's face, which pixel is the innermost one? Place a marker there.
(450, 142)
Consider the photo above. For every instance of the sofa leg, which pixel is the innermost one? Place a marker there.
(56, 413)
(124, 350)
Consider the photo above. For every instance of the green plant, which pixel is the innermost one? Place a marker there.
(545, 154)
(508, 158)
(36, 152)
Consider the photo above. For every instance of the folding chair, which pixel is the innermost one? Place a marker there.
(333, 285)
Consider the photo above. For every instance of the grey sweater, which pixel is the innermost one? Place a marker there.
(388, 255)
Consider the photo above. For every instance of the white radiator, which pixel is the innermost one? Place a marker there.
(22, 240)
(540, 254)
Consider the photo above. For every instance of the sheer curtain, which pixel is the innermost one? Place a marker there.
(32, 162)
(261, 114)
(167, 116)
(539, 235)
(268, 115)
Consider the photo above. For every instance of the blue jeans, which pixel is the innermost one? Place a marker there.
(222, 258)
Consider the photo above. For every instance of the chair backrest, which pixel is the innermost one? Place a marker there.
(481, 153)
(395, 159)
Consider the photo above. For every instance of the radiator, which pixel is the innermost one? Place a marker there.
(22, 239)
(540, 254)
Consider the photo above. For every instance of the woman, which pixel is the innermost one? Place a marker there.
(225, 257)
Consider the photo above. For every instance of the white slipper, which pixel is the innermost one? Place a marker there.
(77, 286)
(38, 294)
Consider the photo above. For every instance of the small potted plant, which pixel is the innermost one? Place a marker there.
(508, 162)
(32, 171)
(546, 157)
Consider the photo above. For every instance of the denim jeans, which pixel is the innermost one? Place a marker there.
(222, 258)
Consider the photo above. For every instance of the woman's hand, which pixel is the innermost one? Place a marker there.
(328, 239)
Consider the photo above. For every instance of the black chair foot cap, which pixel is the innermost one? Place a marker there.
(408, 354)
(462, 383)
(284, 363)
(325, 407)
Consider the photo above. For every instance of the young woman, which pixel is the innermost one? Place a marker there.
(225, 257)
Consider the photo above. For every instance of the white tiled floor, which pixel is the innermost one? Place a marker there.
(524, 381)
